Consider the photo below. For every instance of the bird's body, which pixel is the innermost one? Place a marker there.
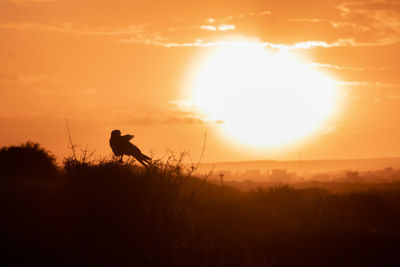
(121, 146)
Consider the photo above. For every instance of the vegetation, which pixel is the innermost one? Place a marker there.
(109, 213)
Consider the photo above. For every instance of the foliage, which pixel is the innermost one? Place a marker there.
(27, 160)
(109, 213)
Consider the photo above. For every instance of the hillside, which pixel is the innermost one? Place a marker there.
(312, 166)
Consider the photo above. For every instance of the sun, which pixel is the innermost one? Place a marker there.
(263, 98)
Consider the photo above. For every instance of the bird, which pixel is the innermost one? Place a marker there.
(121, 146)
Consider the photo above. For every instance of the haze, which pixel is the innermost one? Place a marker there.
(127, 65)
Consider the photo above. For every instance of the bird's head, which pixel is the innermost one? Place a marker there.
(116, 133)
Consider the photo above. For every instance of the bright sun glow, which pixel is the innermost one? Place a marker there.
(264, 98)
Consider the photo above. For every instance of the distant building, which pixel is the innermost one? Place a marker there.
(251, 174)
(282, 175)
(353, 176)
(385, 173)
(321, 177)
(277, 173)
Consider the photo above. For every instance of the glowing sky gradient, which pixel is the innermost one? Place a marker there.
(126, 64)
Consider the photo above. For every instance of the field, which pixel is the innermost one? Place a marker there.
(108, 213)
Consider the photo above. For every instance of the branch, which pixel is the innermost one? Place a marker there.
(72, 145)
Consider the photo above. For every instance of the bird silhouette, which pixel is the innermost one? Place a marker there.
(121, 146)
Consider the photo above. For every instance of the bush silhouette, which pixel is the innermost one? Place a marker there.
(27, 160)
(109, 213)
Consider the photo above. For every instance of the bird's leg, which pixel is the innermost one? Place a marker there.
(141, 161)
(146, 159)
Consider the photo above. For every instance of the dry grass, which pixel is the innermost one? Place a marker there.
(108, 213)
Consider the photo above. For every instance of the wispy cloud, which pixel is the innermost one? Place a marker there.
(6, 77)
(173, 112)
(140, 34)
(208, 27)
(354, 43)
(355, 26)
(222, 27)
(217, 24)
(393, 97)
(25, 2)
(225, 27)
(263, 13)
(239, 16)
(75, 29)
(380, 17)
(312, 20)
(348, 7)
(368, 84)
(28, 79)
(37, 79)
(202, 43)
(39, 84)
(386, 26)
(161, 114)
(333, 23)
(369, 22)
(338, 67)
(89, 91)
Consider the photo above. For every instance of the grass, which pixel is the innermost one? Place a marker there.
(107, 213)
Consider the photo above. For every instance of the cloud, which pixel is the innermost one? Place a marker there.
(42, 91)
(225, 27)
(355, 26)
(239, 16)
(74, 28)
(172, 113)
(334, 23)
(23, 2)
(222, 27)
(266, 12)
(337, 67)
(29, 79)
(363, 23)
(368, 84)
(379, 17)
(312, 20)
(384, 25)
(39, 84)
(6, 77)
(89, 91)
(26, 2)
(201, 43)
(393, 97)
(208, 27)
(141, 34)
(312, 44)
(38, 79)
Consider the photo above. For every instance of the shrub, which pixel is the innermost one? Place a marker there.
(27, 160)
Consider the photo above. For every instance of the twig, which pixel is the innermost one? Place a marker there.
(194, 168)
(72, 145)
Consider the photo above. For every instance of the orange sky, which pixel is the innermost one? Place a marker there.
(124, 64)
